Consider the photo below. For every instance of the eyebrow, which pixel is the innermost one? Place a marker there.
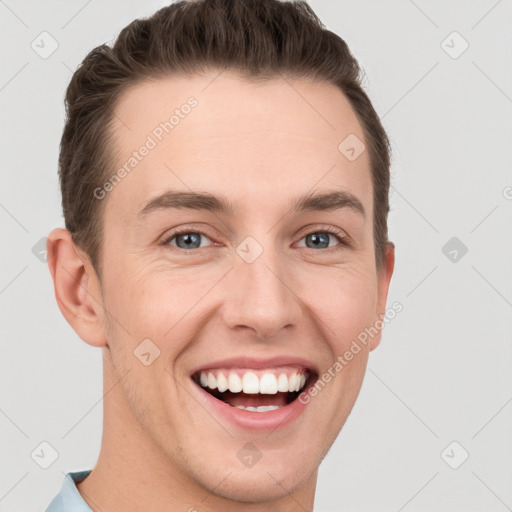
(325, 201)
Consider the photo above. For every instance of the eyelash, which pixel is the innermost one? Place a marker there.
(342, 239)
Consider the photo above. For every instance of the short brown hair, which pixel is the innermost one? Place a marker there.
(259, 38)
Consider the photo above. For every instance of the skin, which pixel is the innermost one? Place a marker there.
(260, 145)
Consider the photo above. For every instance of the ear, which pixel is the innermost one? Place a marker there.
(383, 280)
(77, 287)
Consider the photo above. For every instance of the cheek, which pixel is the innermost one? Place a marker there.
(141, 296)
(158, 304)
(345, 304)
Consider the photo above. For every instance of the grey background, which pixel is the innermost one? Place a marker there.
(442, 372)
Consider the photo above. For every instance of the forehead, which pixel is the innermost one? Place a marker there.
(221, 133)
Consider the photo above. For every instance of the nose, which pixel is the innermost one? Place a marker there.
(260, 296)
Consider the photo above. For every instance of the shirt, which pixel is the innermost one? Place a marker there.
(69, 499)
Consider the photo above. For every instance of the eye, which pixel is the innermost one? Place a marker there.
(186, 239)
(320, 238)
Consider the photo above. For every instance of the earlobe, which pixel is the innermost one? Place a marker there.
(76, 288)
(383, 281)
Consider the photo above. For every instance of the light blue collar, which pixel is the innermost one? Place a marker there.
(69, 499)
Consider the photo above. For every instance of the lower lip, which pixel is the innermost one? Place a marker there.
(251, 420)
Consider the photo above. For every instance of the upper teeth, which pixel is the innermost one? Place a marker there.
(267, 383)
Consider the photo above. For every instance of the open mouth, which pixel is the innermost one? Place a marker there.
(255, 390)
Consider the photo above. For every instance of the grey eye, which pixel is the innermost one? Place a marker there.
(189, 240)
(318, 240)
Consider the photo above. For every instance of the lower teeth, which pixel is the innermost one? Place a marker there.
(261, 408)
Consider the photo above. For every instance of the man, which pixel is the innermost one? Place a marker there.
(225, 191)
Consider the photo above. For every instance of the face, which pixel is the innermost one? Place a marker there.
(242, 301)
